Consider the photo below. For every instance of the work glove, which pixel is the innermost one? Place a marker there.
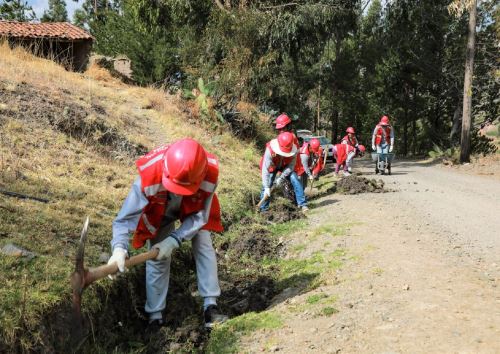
(118, 257)
(390, 149)
(279, 181)
(166, 247)
(267, 192)
(374, 148)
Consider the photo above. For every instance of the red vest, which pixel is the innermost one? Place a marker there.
(382, 133)
(299, 168)
(319, 166)
(342, 151)
(278, 162)
(150, 168)
(350, 141)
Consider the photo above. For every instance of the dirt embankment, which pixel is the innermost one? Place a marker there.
(72, 139)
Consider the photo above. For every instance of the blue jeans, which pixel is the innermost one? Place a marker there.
(383, 148)
(297, 187)
(300, 196)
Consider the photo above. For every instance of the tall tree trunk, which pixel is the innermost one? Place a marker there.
(467, 105)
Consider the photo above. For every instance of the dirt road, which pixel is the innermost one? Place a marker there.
(420, 273)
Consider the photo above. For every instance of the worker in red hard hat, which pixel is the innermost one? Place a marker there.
(309, 162)
(284, 124)
(383, 136)
(350, 138)
(344, 154)
(280, 158)
(175, 182)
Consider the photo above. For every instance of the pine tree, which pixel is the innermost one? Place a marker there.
(16, 10)
(56, 13)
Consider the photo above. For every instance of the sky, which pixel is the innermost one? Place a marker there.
(40, 5)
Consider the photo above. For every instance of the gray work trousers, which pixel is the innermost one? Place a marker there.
(158, 272)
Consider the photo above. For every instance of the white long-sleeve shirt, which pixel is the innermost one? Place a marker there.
(268, 161)
(304, 158)
(127, 219)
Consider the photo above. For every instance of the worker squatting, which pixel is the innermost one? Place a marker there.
(179, 182)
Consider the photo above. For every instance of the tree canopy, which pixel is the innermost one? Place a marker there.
(330, 63)
(16, 10)
(56, 13)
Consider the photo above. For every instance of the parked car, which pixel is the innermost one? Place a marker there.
(303, 133)
(326, 144)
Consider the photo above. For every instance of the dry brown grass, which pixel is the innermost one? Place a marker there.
(79, 175)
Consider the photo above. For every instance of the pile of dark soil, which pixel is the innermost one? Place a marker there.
(282, 210)
(257, 243)
(355, 185)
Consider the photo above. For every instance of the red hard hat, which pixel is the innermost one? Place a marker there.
(361, 148)
(315, 144)
(284, 144)
(185, 166)
(384, 120)
(350, 130)
(282, 121)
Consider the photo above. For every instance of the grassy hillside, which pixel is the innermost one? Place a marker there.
(72, 139)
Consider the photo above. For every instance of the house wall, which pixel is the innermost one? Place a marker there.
(123, 66)
(73, 55)
(81, 54)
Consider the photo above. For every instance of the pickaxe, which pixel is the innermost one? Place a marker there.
(83, 277)
(264, 198)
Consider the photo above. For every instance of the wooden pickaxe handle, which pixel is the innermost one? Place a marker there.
(262, 201)
(108, 269)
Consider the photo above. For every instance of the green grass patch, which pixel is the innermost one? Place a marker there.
(333, 229)
(305, 272)
(288, 227)
(313, 299)
(225, 338)
(328, 311)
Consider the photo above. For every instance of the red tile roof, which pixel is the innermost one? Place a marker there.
(62, 30)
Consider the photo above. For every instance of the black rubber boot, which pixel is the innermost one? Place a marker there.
(213, 316)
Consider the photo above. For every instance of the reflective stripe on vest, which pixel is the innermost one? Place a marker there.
(152, 190)
(208, 186)
(151, 162)
(148, 225)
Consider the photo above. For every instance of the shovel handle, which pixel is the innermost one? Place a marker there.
(94, 274)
